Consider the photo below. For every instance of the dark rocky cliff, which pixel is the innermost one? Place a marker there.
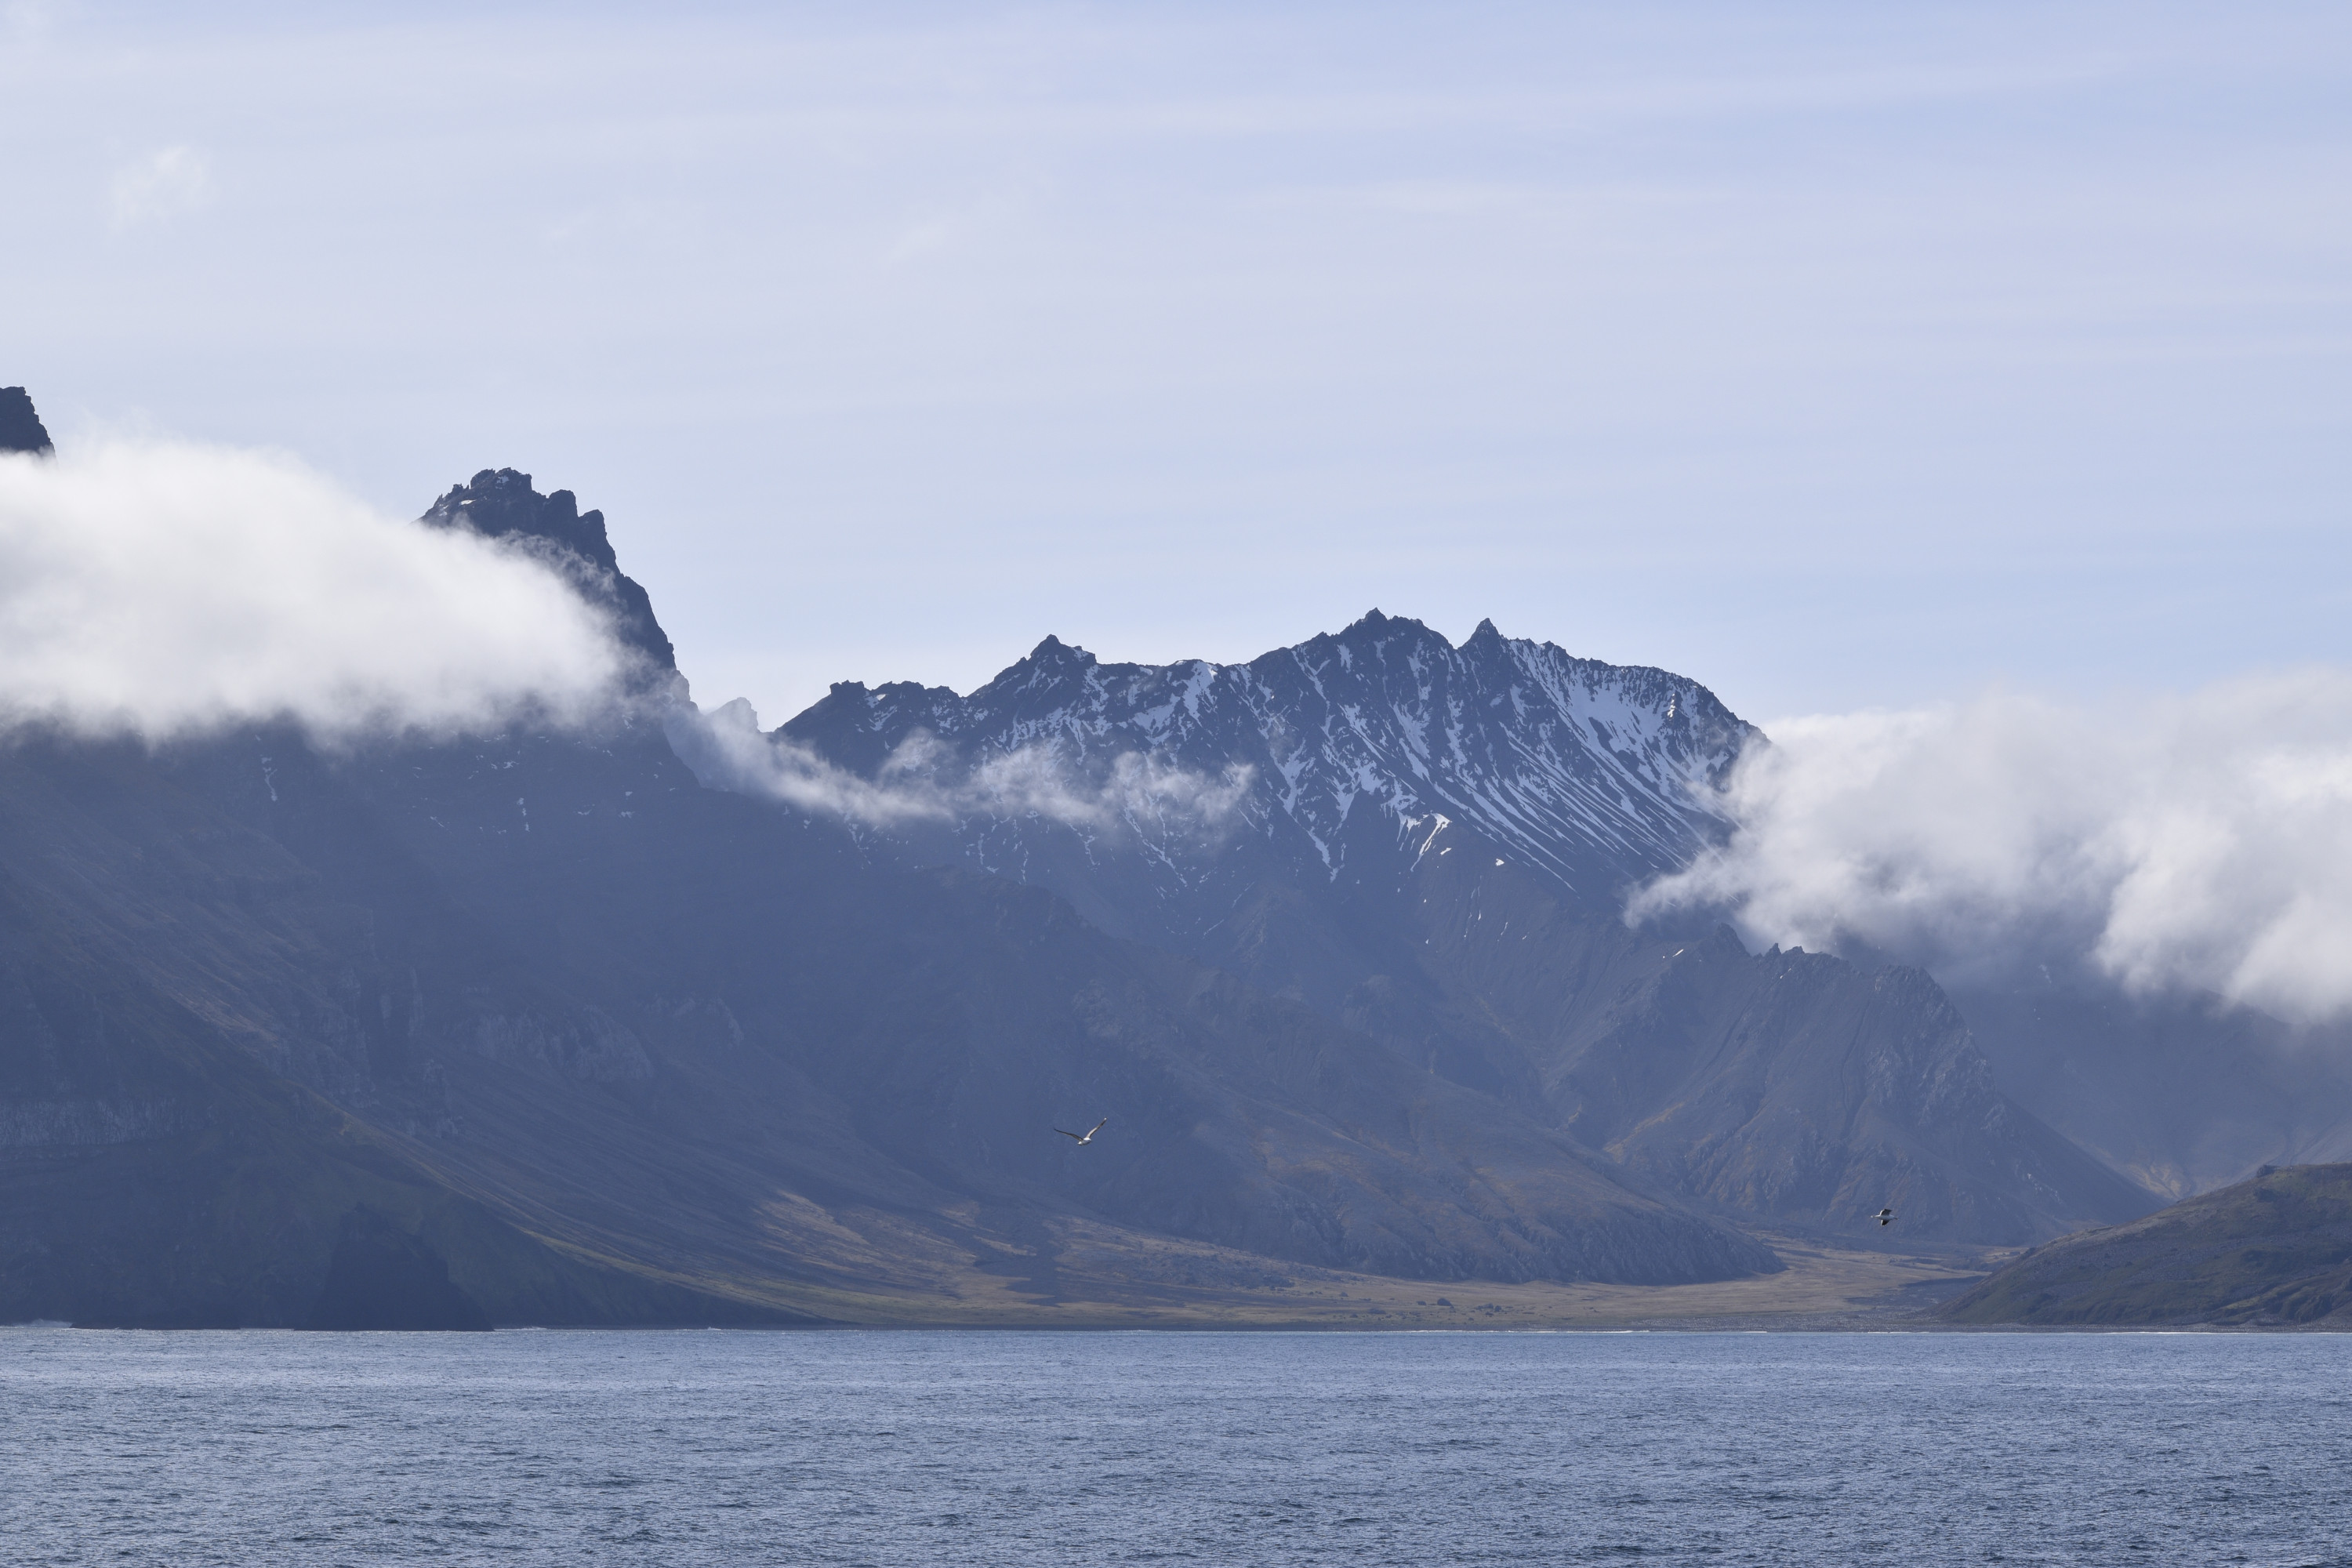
(21, 429)
(500, 503)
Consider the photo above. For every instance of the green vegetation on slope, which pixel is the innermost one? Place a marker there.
(2276, 1251)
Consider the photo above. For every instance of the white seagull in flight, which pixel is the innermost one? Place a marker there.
(1885, 1216)
(1090, 1132)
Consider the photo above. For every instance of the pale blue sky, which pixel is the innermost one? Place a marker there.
(1833, 355)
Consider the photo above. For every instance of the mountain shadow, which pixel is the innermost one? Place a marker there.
(382, 1276)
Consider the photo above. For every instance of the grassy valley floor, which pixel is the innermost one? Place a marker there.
(1105, 1281)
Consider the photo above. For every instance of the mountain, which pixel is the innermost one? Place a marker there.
(1431, 845)
(660, 1029)
(536, 1029)
(2272, 1251)
(662, 1019)
(1790, 1087)
(500, 504)
(1593, 776)
(20, 425)
(1344, 743)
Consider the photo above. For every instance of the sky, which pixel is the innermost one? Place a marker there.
(1839, 356)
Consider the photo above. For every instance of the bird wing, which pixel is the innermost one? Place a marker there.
(1067, 1133)
(1098, 1127)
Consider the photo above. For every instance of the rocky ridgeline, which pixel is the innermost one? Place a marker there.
(1597, 775)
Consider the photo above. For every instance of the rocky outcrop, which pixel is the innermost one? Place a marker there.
(592, 1047)
(20, 427)
(500, 503)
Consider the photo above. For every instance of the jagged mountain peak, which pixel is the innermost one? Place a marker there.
(499, 502)
(1374, 622)
(1050, 662)
(1597, 773)
(1054, 650)
(502, 503)
(21, 429)
(1374, 629)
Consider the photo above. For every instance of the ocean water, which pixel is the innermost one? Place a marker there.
(1017, 1448)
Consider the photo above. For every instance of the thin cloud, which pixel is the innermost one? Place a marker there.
(163, 185)
(923, 781)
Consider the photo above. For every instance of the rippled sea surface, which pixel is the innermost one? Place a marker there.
(955, 1447)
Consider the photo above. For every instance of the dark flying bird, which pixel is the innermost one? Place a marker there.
(1886, 1216)
(1090, 1132)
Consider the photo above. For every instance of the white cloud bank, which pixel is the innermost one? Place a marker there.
(163, 590)
(2202, 842)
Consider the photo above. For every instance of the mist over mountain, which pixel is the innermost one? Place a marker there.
(579, 1005)
(2140, 906)
(168, 589)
